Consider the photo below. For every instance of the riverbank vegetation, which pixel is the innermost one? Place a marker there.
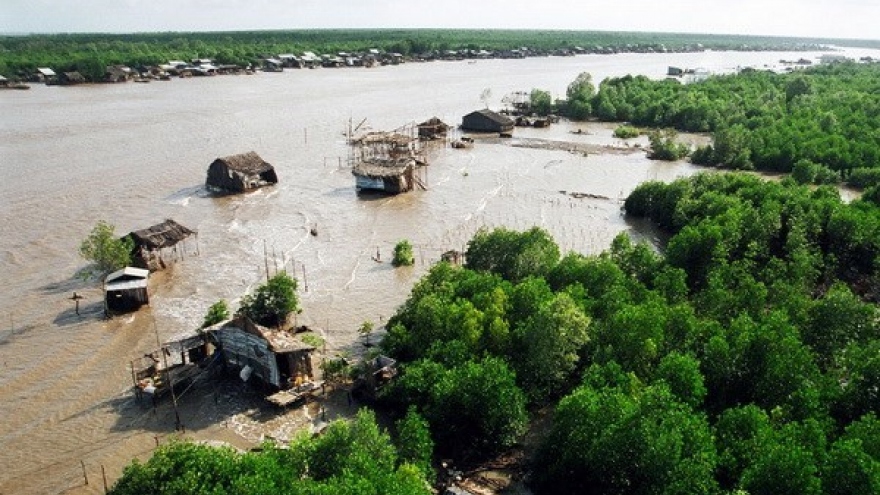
(819, 123)
(349, 457)
(91, 53)
(746, 356)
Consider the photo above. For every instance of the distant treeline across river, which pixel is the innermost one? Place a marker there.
(20, 56)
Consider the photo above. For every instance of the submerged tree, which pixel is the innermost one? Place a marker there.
(105, 250)
(664, 146)
(403, 254)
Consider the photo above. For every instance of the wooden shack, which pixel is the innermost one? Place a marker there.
(377, 373)
(175, 364)
(46, 75)
(486, 121)
(71, 78)
(240, 173)
(392, 177)
(125, 290)
(276, 357)
(387, 162)
(432, 128)
(157, 246)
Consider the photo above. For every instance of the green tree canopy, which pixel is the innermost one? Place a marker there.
(474, 409)
(540, 102)
(614, 441)
(403, 254)
(218, 312)
(350, 457)
(272, 303)
(105, 250)
(513, 255)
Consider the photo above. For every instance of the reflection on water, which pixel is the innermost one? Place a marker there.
(136, 154)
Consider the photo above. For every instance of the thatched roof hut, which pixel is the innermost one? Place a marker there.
(150, 243)
(486, 121)
(391, 176)
(72, 78)
(240, 173)
(432, 128)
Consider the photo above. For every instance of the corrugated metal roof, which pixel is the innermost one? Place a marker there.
(126, 285)
(45, 71)
(128, 272)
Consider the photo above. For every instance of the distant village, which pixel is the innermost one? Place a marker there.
(198, 67)
(309, 60)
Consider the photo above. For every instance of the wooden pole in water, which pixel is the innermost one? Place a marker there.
(305, 280)
(104, 476)
(266, 259)
(85, 475)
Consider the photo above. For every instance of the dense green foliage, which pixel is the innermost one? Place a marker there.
(403, 254)
(218, 312)
(620, 436)
(512, 255)
(540, 102)
(579, 96)
(744, 358)
(740, 359)
(665, 147)
(65, 52)
(626, 132)
(349, 458)
(414, 441)
(105, 250)
(271, 303)
(474, 408)
(819, 123)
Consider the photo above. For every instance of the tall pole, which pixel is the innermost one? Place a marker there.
(168, 378)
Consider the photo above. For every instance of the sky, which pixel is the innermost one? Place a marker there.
(804, 18)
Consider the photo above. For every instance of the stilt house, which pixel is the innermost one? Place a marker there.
(387, 161)
(125, 290)
(175, 364)
(155, 247)
(240, 173)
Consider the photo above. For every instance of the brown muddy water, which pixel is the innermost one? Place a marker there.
(136, 154)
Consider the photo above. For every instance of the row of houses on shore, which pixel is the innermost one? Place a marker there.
(311, 60)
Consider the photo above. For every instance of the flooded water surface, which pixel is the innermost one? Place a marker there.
(136, 154)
